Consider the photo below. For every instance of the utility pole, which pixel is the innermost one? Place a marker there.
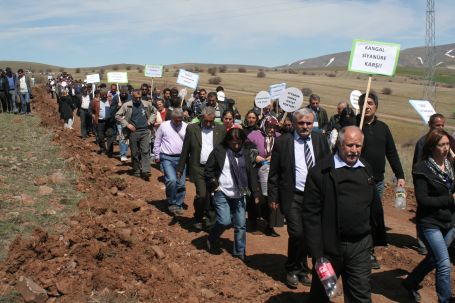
(429, 89)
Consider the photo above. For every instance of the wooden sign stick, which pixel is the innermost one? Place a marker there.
(365, 102)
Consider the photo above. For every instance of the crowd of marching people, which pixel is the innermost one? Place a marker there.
(15, 91)
(321, 176)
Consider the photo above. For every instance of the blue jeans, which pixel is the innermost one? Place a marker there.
(226, 208)
(437, 241)
(25, 101)
(121, 142)
(379, 188)
(175, 188)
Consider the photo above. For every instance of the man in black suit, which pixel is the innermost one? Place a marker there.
(343, 216)
(200, 139)
(292, 156)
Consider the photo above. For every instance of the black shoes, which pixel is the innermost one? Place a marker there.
(271, 232)
(292, 280)
(213, 248)
(413, 291)
(305, 279)
(374, 262)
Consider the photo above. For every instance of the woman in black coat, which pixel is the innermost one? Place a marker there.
(230, 179)
(67, 107)
(434, 190)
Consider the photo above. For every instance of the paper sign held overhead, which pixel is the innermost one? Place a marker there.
(275, 90)
(373, 57)
(262, 99)
(354, 98)
(153, 71)
(291, 99)
(117, 77)
(182, 93)
(423, 108)
(188, 79)
(93, 78)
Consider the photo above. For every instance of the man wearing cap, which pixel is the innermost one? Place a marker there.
(377, 146)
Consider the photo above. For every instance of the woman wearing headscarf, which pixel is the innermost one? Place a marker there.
(434, 191)
(262, 142)
(66, 108)
(230, 180)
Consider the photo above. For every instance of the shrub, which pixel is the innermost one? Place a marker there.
(304, 73)
(261, 74)
(222, 68)
(291, 71)
(102, 71)
(115, 68)
(386, 91)
(331, 75)
(140, 70)
(128, 67)
(166, 70)
(215, 80)
(306, 91)
(78, 70)
(176, 74)
(212, 71)
(276, 69)
(242, 70)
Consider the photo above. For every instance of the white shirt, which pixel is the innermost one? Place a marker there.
(226, 182)
(103, 106)
(339, 163)
(207, 144)
(301, 170)
(23, 85)
(85, 102)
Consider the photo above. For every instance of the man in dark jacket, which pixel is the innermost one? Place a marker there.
(377, 146)
(3, 92)
(321, 119)
(340, 214)
(200, 139)
(292, 156)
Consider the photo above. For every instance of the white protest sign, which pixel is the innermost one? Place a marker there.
(117, 77)
(262, 99)
(154, 71)
(275, 90)
(49, 77)
(423, 108)
(291, 99)
(373, 57)
(354, 98)
(188, 79)
(63, 84)
(94, 78)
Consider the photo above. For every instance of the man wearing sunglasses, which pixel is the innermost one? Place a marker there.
(292, 157)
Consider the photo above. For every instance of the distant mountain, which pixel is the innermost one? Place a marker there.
(411, 57)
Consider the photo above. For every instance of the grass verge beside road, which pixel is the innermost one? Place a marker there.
(29, 196)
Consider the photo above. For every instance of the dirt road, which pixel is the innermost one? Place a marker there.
(124, 247)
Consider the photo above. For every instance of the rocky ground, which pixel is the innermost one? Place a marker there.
(124, 247)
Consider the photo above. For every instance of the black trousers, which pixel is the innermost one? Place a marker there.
(86, 122)
(354, 266)
(3, 102)
(197, 176)
(106, 136)
(297, 250)
(140, 150)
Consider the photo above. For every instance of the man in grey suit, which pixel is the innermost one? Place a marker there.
(199, 141)
(293, 155)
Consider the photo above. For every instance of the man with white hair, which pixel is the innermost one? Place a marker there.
(292, 157)
(167, 149)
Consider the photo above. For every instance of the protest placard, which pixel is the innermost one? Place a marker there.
(423, 108)
(117, 77)
(291, 99)
(188, 79)
(373, 57)
(93, 78)
(153, 71)
(354, 99)
(275, 90)
(262, 99)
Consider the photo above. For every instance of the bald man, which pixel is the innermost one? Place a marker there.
(343, 216)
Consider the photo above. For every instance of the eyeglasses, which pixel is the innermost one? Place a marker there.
(304, 123)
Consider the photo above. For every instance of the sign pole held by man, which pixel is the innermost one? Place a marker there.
(373, 58)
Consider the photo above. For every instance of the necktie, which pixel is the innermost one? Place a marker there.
(308, 156)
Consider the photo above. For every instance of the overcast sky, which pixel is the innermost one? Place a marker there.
(84, 33)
